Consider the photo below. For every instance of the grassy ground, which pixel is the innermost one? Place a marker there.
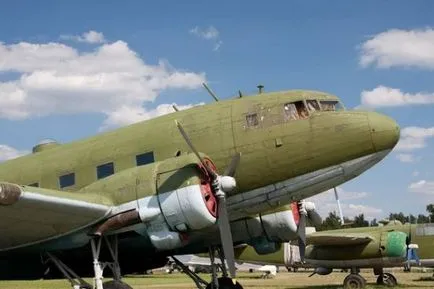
(283, 280)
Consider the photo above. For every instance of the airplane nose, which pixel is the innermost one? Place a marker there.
(384, 131)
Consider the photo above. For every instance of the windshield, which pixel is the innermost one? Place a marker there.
(331, 105)
(312, 105)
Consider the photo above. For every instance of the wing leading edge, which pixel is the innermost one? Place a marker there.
(30, 215)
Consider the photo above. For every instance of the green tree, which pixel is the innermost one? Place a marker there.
(430, 210)
(397, 216)
(421, 219)
(359, 221)
(411, 219)
(373, 223)
(331, 222)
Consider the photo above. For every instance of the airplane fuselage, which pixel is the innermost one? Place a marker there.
(274, 147)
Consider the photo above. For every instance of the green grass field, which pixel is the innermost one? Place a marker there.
(283, 280)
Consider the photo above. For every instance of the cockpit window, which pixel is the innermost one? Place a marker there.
(331, 105)
(295, 110)
(252, 119)
(312, 105)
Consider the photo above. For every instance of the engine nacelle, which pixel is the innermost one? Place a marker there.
(264, 231)
(263, 246)
(184, 203)
(170, 198)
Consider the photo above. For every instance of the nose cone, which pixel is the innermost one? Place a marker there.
(384, 131)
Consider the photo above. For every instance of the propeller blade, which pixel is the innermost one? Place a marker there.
(302, 236)
(230, 170)
(226, 235)
(312, 214)
(314, 218)
(190, 144)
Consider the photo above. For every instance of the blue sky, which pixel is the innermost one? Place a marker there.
(167, 48)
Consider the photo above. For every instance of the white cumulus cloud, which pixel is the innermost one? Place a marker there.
(55, 78)
(398, 47)
(127, 115)
(413, 138)
(383, 96)
(8, 153)
(369, 211)
(422, 186)
(326, 202)
(211, 34)
(406, 158)
(207, 33)
(91, 36)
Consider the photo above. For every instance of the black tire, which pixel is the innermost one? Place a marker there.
(225, 283)
(116, 285)
(354, 281)
(387, 279)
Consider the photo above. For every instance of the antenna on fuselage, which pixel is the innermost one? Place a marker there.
(210, 91)
(240, 93)
(341, 216)
(175, 107)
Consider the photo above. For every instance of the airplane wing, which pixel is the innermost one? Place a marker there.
(29, 215)
(338, 239)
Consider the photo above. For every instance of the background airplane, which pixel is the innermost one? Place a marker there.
(391, 245)
(134, 196)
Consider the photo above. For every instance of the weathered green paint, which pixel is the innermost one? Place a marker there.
(219, 129)
(142, 181)
(342, 252)
(248, 254)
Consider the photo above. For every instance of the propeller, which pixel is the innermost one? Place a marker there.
(305, 210)
(301, 230)
(221, 185)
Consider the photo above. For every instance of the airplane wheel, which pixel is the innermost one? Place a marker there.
(354, 281)
(387, 279)
(226, 283)
(116, 285)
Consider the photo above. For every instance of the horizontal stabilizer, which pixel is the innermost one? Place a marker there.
(335, 239)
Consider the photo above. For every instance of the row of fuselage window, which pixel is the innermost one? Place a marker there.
(102, 171)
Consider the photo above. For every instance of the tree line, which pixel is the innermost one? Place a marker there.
(332, 221)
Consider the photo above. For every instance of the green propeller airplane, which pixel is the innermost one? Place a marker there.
(354, 248)
(131, 197)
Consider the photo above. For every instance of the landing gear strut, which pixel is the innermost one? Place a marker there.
(98, 267)
(224, 282)
(354, 280)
